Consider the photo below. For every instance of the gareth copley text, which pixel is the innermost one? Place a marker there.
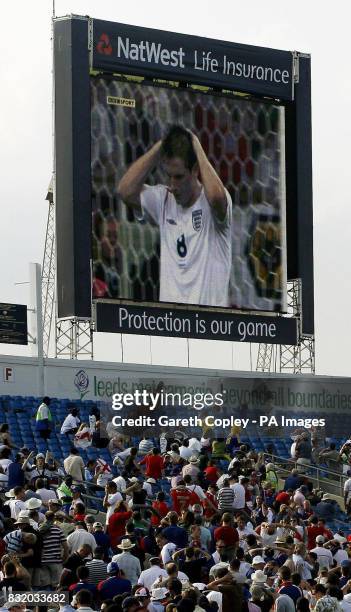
(212, 421)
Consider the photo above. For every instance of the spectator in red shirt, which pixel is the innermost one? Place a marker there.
(211, 472)
(314, 529)
(154, 464)
(181, 497)
(117, 523)
(327, 533)
(161, 508)
(283, 497)
(210, 504)
(227, 533)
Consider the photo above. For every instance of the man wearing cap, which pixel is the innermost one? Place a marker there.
(114, 584)
(129, 564)
(324, 555)
(153, 573)
(16, 470)
(79, 537)
(14, 539)
(326, 508)
(102, 539)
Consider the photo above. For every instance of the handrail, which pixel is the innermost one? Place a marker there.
(317, 474)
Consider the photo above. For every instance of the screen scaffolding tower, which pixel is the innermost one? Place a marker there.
(73, 336)
(289, 359)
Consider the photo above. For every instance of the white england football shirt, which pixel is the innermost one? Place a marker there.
(196, 248)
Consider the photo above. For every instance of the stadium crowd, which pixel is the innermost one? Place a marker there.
(189, 524)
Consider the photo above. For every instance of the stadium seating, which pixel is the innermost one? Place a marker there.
(19, 413)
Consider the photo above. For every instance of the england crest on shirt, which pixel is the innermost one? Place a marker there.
(197, 219)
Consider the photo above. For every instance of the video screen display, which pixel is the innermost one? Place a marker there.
(188, 196)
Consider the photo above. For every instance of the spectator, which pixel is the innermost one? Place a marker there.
(43, 419)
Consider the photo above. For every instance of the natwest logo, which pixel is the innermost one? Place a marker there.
(104, 46)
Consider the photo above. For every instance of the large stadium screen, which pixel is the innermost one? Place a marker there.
(188, 196)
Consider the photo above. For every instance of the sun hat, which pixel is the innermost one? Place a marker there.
(258, 577)
(326, 497)
(151, 480)
(193, 459)
(159, 593)
(22, 520)
(33, 503)
(10, 493)
(126, 544)
(258, 559)
(142, 592)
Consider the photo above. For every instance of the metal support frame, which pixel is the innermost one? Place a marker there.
(289, 359)
(48, 275)
(74, 338)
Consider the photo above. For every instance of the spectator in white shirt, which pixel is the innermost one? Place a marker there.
(71, 423)
(17, 503)
(44, 493)
(151, 575)
(239, 493)
(184, 450)
(111, 499)
(167, 548)
(80, 537)
(324, 555)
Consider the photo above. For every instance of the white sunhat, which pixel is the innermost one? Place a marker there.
(33, 503)
(193, 459)
(258, 559)
(159, 593)
(126, 544)
(10, 493)
(258, 577)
